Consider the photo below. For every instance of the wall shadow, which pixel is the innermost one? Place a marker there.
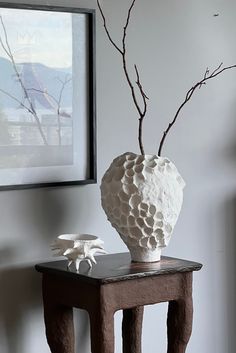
(20, 293)
(20, 296)
(46, 211)
(20, 286)
(6, 253)
(230, 270)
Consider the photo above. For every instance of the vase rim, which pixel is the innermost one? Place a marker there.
(78, 237)
(146, 155)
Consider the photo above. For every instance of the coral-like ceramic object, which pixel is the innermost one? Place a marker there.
(142, 197)
(78, 247)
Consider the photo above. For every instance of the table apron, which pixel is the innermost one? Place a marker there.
(119, 295)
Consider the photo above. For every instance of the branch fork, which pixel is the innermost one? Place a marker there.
(207, 76)
(142, 109)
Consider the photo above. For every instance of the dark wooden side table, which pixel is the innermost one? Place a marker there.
(117, 284)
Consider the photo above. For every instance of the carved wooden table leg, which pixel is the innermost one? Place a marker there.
(102, 331)
(58, 320)
(59, 327)
(179, 320)
(132, 330)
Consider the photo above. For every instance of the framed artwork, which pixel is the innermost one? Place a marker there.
(47, 96)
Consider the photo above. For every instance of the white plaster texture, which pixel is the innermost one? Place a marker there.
(78, 247)
(142, 197)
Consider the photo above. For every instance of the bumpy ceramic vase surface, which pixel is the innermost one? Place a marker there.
(78, 247)
(142, 197)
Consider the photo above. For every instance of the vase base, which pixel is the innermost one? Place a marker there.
(144, 255)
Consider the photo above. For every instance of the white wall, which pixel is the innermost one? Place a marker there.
(172, 42)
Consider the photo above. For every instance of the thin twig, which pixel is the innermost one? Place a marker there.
(57, 101)
(145, 98)
(129, 14)
(106, 29)
(10, 55)
(63, 83)
(141, 110)
(17, 100)
(207, 76)
(43, 92)
(125, 65)
(59, 107)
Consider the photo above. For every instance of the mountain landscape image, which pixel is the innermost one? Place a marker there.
(48, 77)
(48, 92)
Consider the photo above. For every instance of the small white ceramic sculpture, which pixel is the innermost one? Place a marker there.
(142, 197)
(78, 247)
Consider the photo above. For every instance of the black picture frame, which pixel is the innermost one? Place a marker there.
(91, 172)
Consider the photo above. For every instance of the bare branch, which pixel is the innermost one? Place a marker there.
(6, 36)
(139, 84)
(16, 100)
(128, 17)
(43, 92)
(217, 69)
(106, 29)
(57, 109)
(57, 101)
(10, 55)
(64, 83)
(207, 76)
(206, 73)
(145, 98)
(141, 110)
(6, 49)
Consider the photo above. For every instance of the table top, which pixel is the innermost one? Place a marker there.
(118, 267)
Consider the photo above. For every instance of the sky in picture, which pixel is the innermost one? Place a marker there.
(49, 40)
(36, 90)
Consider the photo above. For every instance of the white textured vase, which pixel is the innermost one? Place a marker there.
(142, 197)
